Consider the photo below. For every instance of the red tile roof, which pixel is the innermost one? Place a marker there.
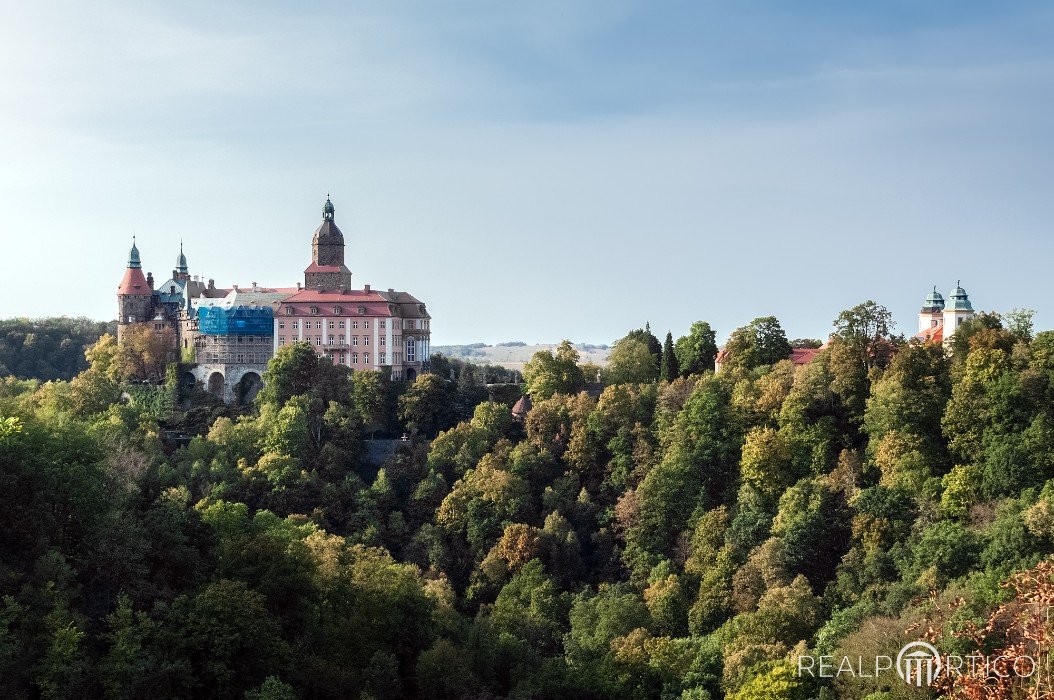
(935, 335)
(134, 283)
(803, 356)
(315, 267)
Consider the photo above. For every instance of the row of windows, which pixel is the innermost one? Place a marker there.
(412, 324)
(343, 358)
(318, 324)
(240, 358)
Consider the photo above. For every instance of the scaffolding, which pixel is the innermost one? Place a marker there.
(239, 320)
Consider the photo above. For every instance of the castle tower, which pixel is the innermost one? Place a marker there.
(134, 294)
(181, 272)
(327, 269)
(958, 310)
(932, 314)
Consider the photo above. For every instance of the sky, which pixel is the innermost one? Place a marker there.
(536, 171)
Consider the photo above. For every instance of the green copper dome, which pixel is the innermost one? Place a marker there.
(181, 261)
(327, 211)
(959, 301)
(934, 301)
(133, 256)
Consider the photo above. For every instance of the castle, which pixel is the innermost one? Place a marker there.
(938, 321)
(226, 336)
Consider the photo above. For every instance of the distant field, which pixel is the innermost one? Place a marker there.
(515, 355)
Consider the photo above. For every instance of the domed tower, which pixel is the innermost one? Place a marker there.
(327, 269)
(958, 310)
(134, 295)
(181, 272)
(932, 314)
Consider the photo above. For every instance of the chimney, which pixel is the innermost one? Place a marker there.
(391, 291)
(212, 284)
(150, 280)
(234, 287)
(366, 289)
(298, 286)
(254, 286)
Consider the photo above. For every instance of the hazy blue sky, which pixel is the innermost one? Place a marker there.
(537, 170)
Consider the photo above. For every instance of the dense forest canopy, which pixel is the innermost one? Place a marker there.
(47, 348)
(647, 530)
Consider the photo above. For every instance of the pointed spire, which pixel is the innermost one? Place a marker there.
(133, 256)
(181, 260)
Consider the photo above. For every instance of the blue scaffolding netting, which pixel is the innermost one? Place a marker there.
(240, 320)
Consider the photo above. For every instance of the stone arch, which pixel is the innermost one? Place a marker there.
(187, 380)
(215, 384)
(411, 374)
(248, 387)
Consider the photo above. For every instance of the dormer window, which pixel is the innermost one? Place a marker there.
(362, 309)
(289, 311)
(314, 309)
(336, 310)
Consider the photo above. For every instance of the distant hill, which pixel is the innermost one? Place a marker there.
(514, 354)
(48, 348)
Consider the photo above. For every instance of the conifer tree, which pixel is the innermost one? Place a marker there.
(669, 368)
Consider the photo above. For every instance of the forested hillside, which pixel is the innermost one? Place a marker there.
(672, 533)
(47, 348)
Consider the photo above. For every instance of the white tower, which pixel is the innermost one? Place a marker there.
(958, 310)
(932, 314)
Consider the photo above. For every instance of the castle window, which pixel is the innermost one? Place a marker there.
(383, 339)
(330, 340)
(366, 325)
(365, 358)
(296, 325)
(331, 324)
(354, 340)
(933, 323)
(289, 311)
(384, 324)
(342, 340)
(336, 309)
(314, 309)
(354, 324)
(341, 324)
(281, 340)
(365, 340)
(354, 358)
(411, 349)
(384, 358)
(318, 341)
(281, 324)
(318, 325)
(362, 309)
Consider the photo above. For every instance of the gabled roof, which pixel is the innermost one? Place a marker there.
(933, 335)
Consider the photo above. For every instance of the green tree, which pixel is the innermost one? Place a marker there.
(867, 330)
(297, 370)
(697, 351)
(669, 368)
(761, 342)
(630, 362)
(428, 405)
(548, 373)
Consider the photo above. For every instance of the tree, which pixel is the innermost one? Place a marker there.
(428, 405)
(630, 362)
(144, 353)
(761, 342)
(866, 328)
(297, 370)
(669, 368)
(548, 373)
(372, 397)
(697, 351)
